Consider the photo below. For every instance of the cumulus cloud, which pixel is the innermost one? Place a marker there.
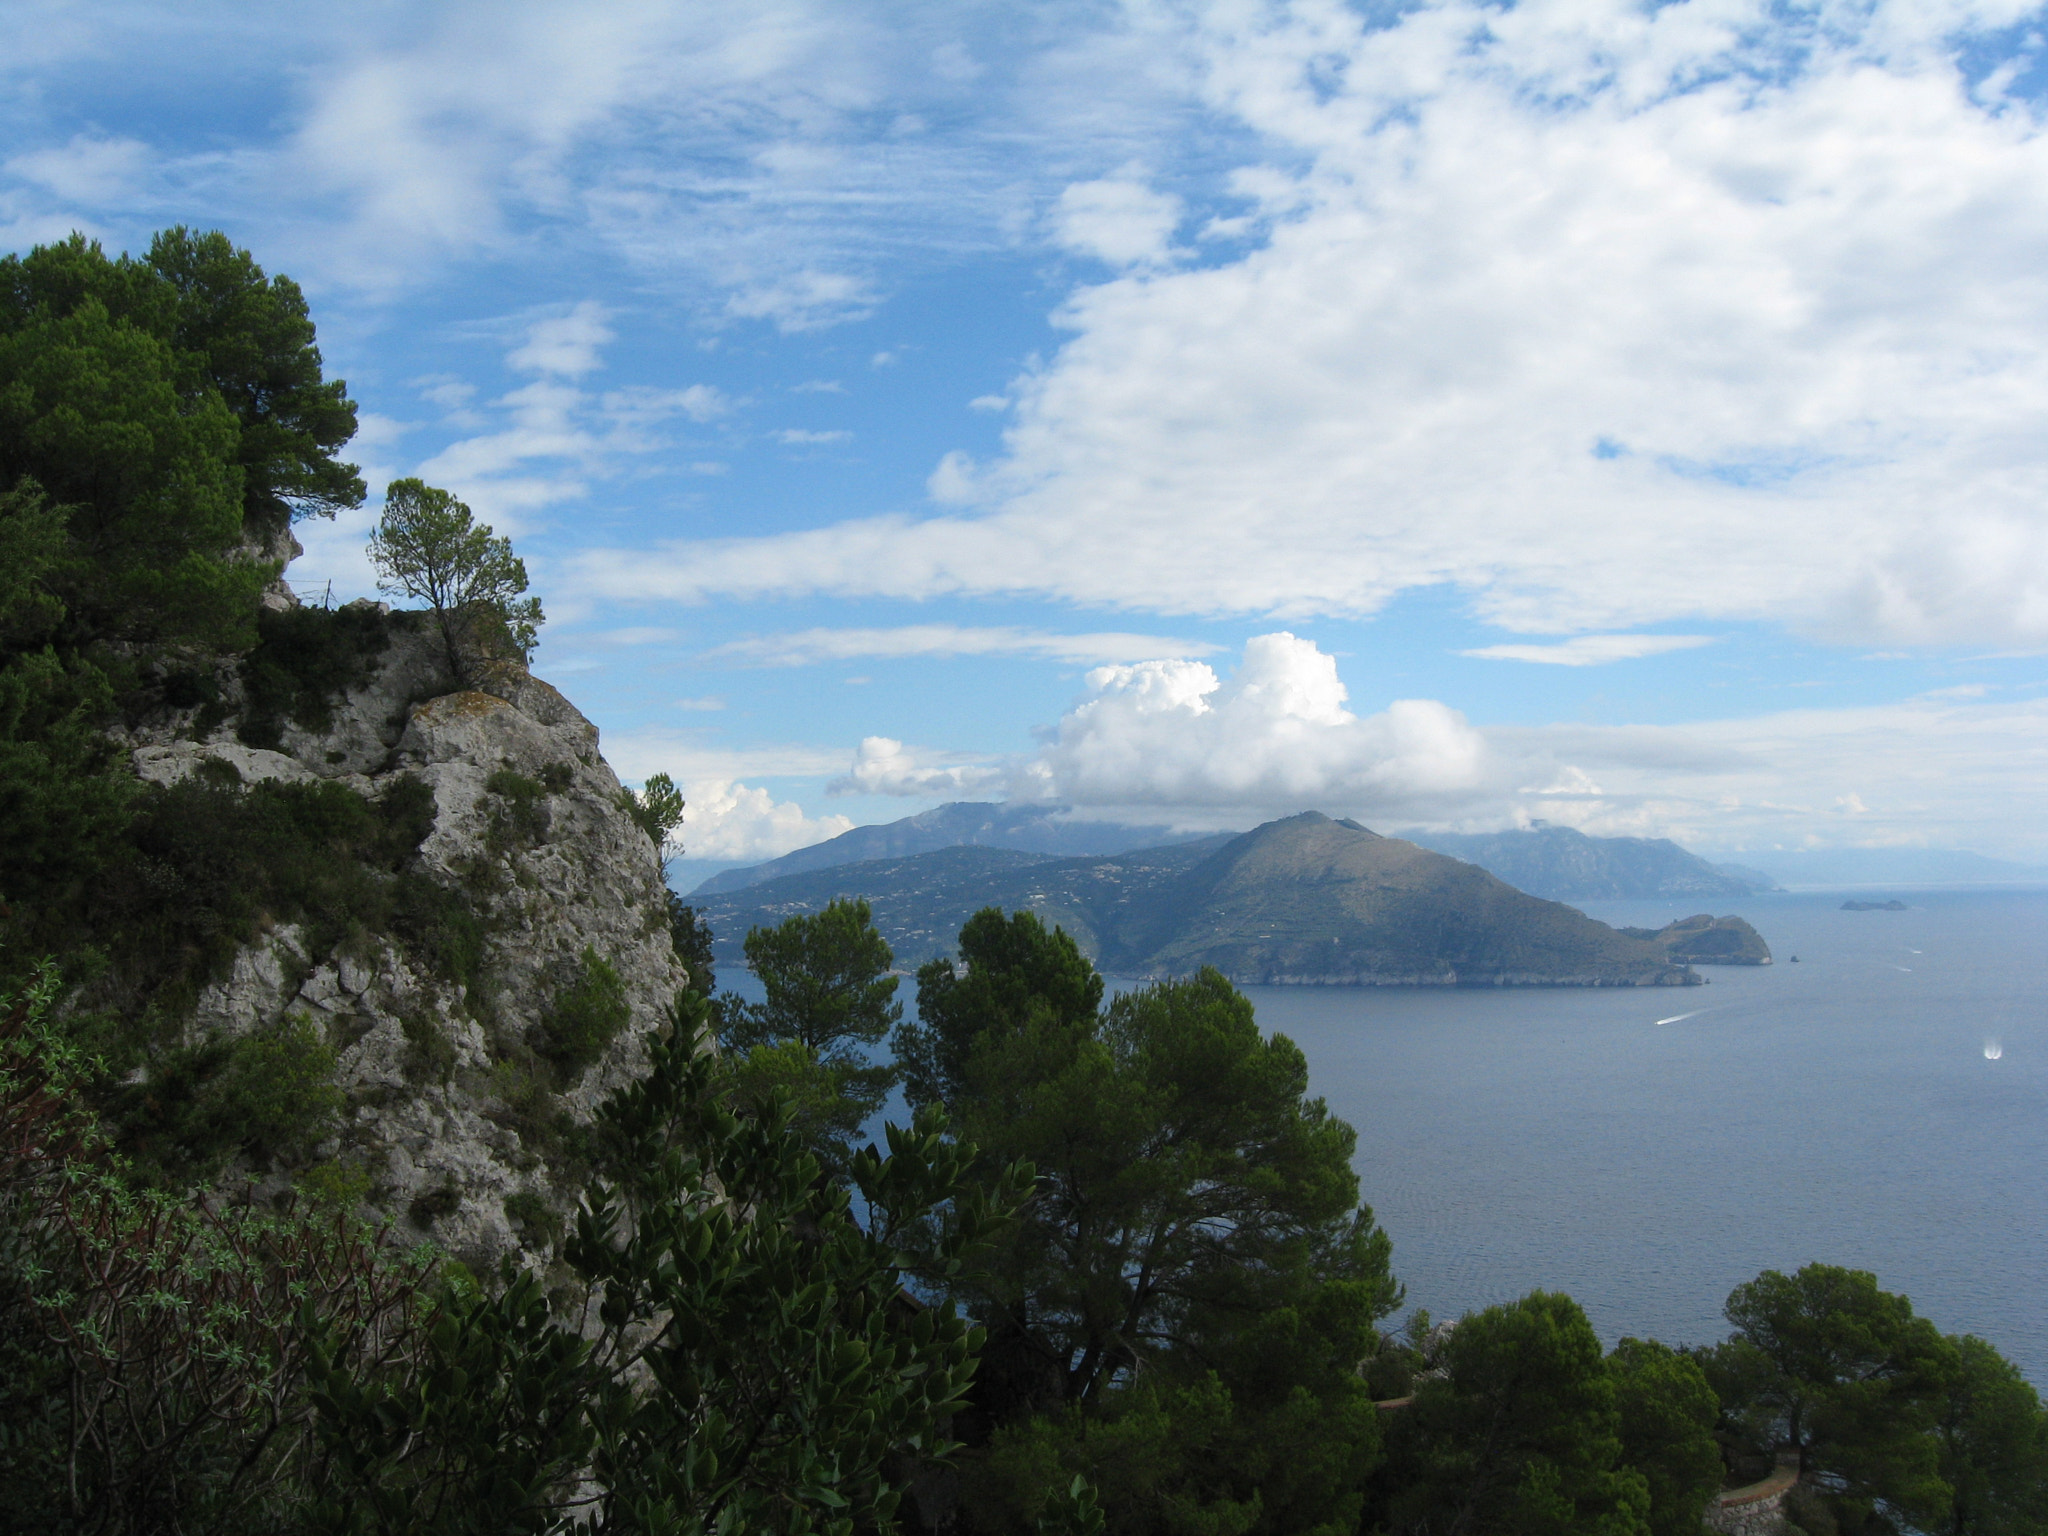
(809, 646)
(1276, 736)
(1607, 315)
(564, 344)
(725, 819)
(1592, 650)
(882, 766)
(1119, 220)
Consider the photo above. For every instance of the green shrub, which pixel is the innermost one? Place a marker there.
(534, 1218)
(268, 1095)
(527, 1107)
(524, 815)
(587, 1016)
(334, 1185)
(429, 1053)
(305, 658)
(444, 1199)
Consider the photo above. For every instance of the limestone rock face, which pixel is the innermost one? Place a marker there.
(450, 1111)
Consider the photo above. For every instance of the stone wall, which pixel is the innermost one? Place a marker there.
(1758, 1509)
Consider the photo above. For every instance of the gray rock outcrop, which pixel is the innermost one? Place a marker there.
(458, 1131)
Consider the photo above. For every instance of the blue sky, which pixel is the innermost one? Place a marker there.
(1455, 414)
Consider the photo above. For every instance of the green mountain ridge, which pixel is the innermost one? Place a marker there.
(1305, 900)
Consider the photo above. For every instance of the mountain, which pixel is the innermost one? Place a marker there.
(1564, 864)
(1892, 866)
(1705, 940)
(1036, 829)
(1306, 900)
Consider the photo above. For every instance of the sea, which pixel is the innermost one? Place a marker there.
(1880, 1104)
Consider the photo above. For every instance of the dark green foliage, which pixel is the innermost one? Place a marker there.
(524, 816)
(209, 866)
(475, 1437)
(154, 1344)
(762, 1373)
(1993, 1438)
(1895, 1425)
(1521, 1434)
(657, 810)
(152, 413)
(830, 1000)
(255, 342)
(690, 935)
(428, 546)
(827, 982)
(306, 658)
(1187, 1185)
(267, 1095)
(1180, 1312)
(429, 1206)
(429, 1053)
(1665, 1415)
(536, 1220)
(586, 1017)
(1016, 974)
(1847, 1376)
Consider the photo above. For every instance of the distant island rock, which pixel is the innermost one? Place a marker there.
(1894, 905)
(1564, 864)
(1705, 940)
(1306, 900)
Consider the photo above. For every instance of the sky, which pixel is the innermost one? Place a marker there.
(1625, 416)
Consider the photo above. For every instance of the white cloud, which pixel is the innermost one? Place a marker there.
(882, 766)
(565, 344)
(800, 436)
(723, 819)
(1275, 737)
(1608, 315)
(89, 171)
(808, 646)
(641, 406)
(1592, 650)
(1118, 220)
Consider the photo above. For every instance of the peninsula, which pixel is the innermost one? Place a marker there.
(1306, 900)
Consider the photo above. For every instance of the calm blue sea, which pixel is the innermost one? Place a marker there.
(1882, 1104)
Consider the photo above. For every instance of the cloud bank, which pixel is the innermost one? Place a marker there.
(1175, 740)
(1605, 315)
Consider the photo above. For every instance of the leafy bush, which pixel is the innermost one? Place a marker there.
(269, 1095)
(690, 936)
(762, 1372)
(587, 1016)
(429, 1053)
(304, 659)
(154, 1346)
(536, 1220)
(524, 815)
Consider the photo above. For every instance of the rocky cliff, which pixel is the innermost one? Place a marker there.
(464, 1064)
